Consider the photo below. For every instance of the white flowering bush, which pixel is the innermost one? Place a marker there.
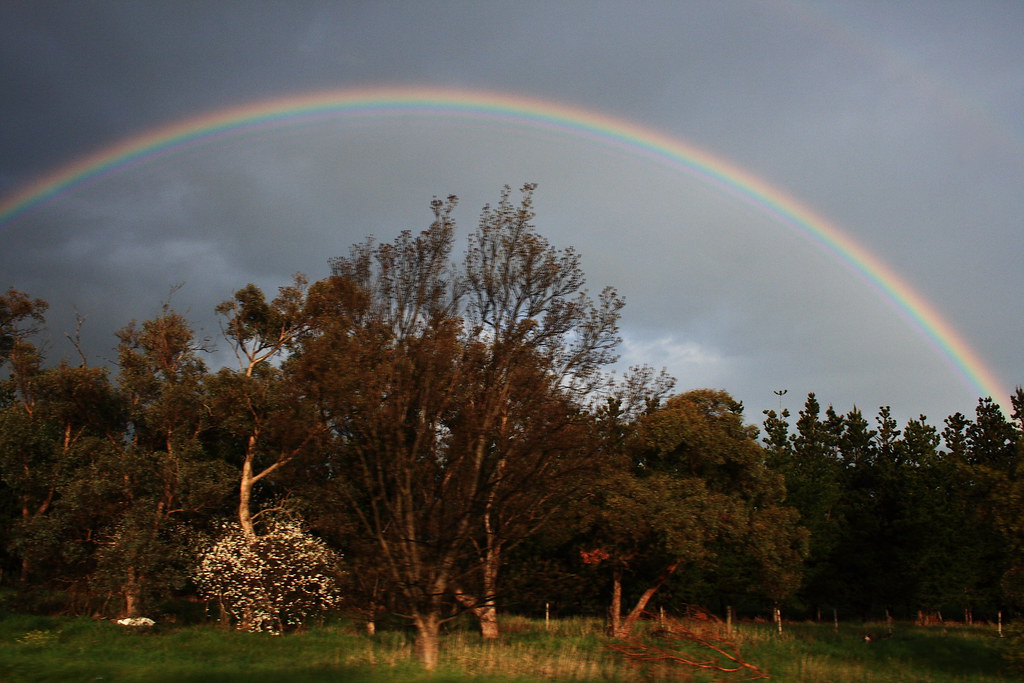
(273, 582)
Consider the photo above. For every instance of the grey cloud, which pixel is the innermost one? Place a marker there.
(900, 123)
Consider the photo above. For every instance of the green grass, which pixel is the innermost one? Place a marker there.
(34, 648)
(810, 652)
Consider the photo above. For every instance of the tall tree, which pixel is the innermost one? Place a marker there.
(929, 527)
(873, 497)
(810, 463)
(453, 394)
(543, 345)
(163, 471)
(992, 465)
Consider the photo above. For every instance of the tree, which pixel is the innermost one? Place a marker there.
(162, 472)
(257, 405)
(992, 468)
(931, 529)
(693, 489)
(544, 343)
(1009, 496)
(810, 464)
(452, 395)
(103, 471)
(45, 451)
(43, 417)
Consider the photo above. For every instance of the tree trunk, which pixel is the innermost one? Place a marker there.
(488, 616)
(245, 491)
(615, 611)
(485, 609)
(627, 625)
(371, 617)
(428, 639)
(224, 617)
(131, 601)
(486, 613)
(131, 594)
(372, 607)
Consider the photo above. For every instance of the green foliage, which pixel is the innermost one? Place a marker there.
(690, 494)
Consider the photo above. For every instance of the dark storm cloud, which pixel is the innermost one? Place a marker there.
(900, 122)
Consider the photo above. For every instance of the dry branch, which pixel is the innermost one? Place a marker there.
(698, 640)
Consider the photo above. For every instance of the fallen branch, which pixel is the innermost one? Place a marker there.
(667, 642)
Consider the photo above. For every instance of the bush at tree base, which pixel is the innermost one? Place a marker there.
(273, 582)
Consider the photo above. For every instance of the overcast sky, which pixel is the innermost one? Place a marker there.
(900, 122)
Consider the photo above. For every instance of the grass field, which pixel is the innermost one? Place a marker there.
(35, 648)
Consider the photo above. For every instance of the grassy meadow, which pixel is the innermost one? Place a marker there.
(37, 648)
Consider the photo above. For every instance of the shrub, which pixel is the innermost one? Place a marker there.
(273, 582)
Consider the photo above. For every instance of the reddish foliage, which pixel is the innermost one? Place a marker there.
(595, 556)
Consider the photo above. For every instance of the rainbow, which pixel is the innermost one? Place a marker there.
(522, 111)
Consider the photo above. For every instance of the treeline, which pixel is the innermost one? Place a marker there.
(915, 522)
(448, 428)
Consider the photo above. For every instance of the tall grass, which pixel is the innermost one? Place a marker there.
(36, 648)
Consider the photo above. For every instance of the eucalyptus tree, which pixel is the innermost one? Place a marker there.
(102, 469)
(256, 406)
(81, 415)
(54, 422)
